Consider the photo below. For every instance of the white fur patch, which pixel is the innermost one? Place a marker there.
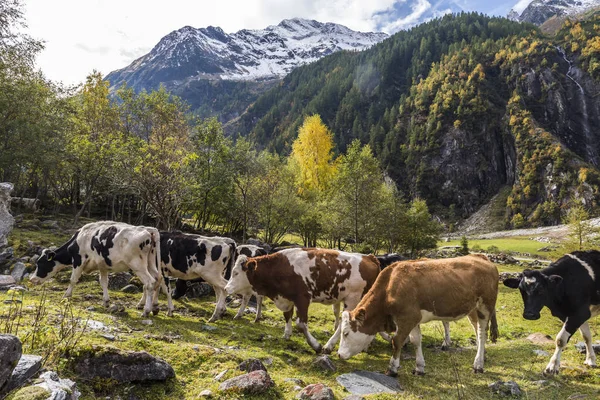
(529, 280)
(585, 265)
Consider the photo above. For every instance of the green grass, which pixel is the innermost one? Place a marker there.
(519, 244)
(197, 354)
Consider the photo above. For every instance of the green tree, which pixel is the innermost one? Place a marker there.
(582, 234)
(422, 232)
(464, 244)
(357, 190)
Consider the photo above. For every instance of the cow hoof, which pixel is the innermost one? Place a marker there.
(140, 306)
(391, 373)
(445, 348)
(170, 313)
(237, 317)
(257, 320)
(418, 373)
(478, 370)
(550, 372)
(326, 350)
(318, 349)
(155, 311)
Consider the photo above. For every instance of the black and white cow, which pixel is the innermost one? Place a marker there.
(107, 246)
(570, 288)
(250, 250)
(187, 256)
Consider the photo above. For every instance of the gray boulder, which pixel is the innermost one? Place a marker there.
(252, 364)
(325, 363)
(119, 280)
(198, 290)
(50, 224)
(6, 256)
(580, 346)
(6, 220)
(510, 388)
(18, 270)
(317, 391)
(6, 281)
(130, 289)
(366, 382)
(59, 389)
(27, 367)
(122, 366)
(10, 353)
(255, 382)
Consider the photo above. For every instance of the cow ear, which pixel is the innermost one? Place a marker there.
(50, 255)
(360, 315)
(555, 279)
(512, 283)
(251, 265)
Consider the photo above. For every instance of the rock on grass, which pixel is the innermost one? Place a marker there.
(122, 366)
(10, 353)
(255, 382)
(317, 391)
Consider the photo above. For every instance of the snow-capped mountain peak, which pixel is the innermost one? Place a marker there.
(263, 54)
(539, 11)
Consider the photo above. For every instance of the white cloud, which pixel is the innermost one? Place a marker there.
(395, 24)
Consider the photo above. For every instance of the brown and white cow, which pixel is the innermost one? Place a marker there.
(107, 246)
(410, 293)
(297, 277)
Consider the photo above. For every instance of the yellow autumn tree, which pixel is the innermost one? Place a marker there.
(312, 151)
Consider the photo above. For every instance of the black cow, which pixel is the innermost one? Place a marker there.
(389, 259)
(187, 256)
(570, 288)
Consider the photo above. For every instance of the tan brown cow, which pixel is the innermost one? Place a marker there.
(410, 293)
(297, 277)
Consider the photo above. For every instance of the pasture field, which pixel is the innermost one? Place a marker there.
(521, 244)
(198, 351)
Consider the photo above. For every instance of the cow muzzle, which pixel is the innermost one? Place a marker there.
(531, 316)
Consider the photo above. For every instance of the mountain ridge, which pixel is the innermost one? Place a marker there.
(539, 11)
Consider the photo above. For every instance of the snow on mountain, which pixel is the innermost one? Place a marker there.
(210, 53)
(539, 11)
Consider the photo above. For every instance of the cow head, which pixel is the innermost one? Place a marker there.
(239, 283)
(536, 289)
(353, 341)
(47, 266)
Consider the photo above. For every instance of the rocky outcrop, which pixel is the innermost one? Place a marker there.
(539, 11)
(121, 366)
(10, 353)
(6, 220)
(510, 388)
(58, 389)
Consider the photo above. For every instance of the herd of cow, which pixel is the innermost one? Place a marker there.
(377, 297)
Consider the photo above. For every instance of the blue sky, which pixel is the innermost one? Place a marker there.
(83, 35)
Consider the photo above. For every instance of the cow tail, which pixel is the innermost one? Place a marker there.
(231, 261)
(493, 328)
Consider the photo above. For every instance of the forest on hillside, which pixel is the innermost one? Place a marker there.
(456, 109)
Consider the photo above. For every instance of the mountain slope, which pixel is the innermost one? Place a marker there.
(539, 11)
(221, 74)
(456, 109)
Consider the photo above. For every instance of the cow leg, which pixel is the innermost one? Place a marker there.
(103, 278)
(403, 329)
(245, 299)
(302, 324)
(75, 275)
(336, 314)
(590, 356)
(259, 300)
(447, 342)
(287, 332)
(482, 317)
(218, 283)
(149, 282)
(165, 285)
(415, 339)
(572, 323)
(142, 302)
